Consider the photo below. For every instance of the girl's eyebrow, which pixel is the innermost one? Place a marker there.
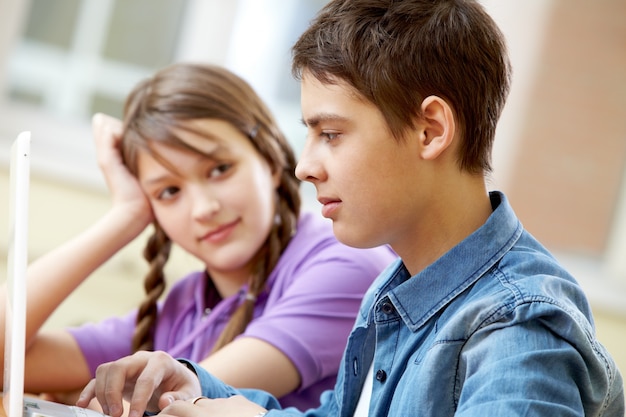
(316, 119)
(155, 180)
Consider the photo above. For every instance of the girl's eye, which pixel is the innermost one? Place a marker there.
(219, 170)
(168, 193)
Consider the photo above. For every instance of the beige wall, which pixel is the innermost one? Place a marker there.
(568, 174)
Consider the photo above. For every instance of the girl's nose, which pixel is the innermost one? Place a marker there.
(205, 204)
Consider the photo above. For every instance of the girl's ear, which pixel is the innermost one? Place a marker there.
(438, 129)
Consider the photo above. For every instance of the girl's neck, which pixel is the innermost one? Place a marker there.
(211, 295)
(228, 283)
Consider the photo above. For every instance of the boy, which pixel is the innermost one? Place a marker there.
(401, 101)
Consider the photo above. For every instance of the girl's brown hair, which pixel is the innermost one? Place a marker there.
(159, 106)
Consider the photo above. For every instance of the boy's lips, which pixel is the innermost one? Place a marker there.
(329, 205)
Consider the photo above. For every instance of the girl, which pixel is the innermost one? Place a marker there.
(200, 157)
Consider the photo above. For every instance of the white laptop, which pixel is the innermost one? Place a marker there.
(15, 404)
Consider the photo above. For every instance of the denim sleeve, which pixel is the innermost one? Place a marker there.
(537, 367)
(214, 388)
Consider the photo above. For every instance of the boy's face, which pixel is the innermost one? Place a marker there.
(366, 180)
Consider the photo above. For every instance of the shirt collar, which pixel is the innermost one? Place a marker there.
(456, 270)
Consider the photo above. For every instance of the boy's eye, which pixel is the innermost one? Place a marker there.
(329, 136)
(168, 193)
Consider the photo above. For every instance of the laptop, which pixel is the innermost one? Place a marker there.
(14, 402)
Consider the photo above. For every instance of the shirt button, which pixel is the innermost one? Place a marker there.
(381, 375)
(387, 308)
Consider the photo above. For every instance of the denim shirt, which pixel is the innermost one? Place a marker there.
(495, 327)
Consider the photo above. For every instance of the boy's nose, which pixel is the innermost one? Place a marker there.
(309, 167)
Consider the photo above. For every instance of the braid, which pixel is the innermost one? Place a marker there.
(266, 260)
(157, 252)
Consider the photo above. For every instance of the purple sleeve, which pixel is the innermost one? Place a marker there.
(314, 300)
(105, 341)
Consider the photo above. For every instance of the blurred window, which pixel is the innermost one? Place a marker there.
(77, 57)
(69, 59)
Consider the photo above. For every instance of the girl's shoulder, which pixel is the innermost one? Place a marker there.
(315, 241)
(314, 234)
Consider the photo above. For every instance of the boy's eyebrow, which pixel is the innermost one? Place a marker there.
(322, 117)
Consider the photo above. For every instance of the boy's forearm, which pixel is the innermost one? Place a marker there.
(214, 388)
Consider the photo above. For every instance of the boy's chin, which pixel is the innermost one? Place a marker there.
(346, 235)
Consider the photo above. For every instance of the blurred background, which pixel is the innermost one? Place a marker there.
(560, 151)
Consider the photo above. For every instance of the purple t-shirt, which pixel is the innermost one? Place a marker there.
(314, 295)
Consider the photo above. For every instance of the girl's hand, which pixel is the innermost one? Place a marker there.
(126, 192)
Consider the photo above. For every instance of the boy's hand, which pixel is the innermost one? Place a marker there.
(235, 406)
(150, 381)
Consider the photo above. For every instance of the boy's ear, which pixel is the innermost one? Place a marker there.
(438, 127)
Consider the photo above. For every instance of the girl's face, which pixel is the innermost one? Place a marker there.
(220, 208)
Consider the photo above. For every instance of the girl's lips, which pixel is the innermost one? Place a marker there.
(220, 233)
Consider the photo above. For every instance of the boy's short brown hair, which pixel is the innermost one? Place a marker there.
(397, 53)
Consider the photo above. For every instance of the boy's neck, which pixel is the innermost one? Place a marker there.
(455, 213)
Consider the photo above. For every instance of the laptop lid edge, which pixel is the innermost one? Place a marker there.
(17, 261)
